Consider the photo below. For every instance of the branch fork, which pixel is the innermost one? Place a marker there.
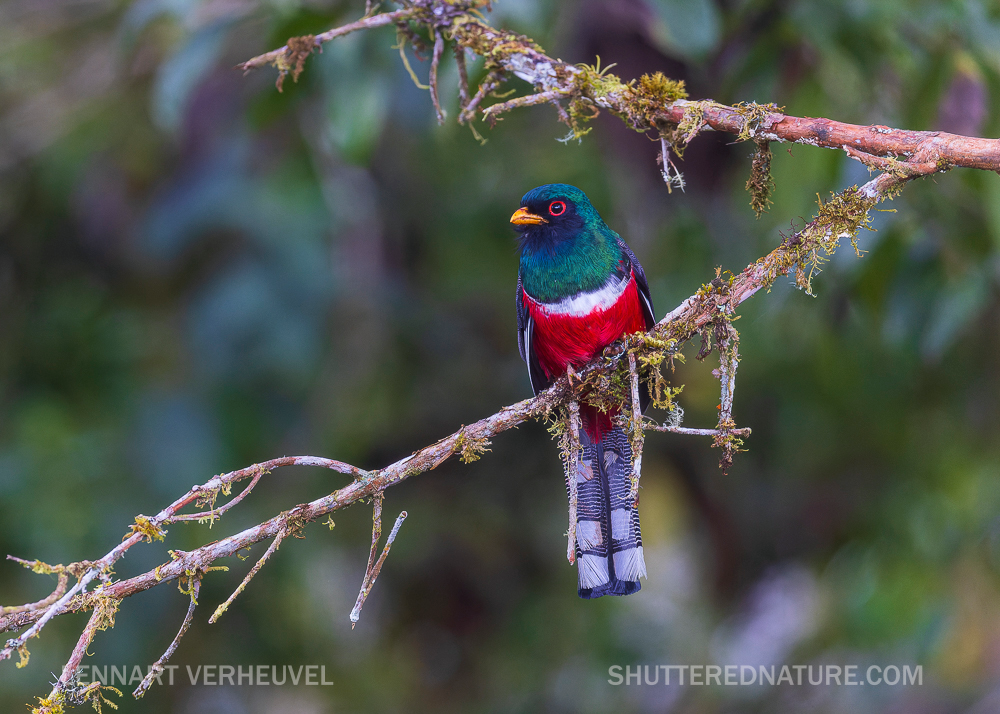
(375, 566)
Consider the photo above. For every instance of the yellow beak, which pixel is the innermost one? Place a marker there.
(523, 217)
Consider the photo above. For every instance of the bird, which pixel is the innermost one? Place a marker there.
(580, 288)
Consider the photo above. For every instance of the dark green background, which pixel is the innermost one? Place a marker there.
(198, 273)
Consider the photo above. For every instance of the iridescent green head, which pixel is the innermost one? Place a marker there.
(566, 247)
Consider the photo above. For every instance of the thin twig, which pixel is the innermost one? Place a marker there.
(490, 82)
(372, 574)
(253, 571)
(376, 531)
(670, 179)
(572, 476)
(41, 604)
(907, 169)
(745, 431)
(563, 116)
(433, 79)
(216, 512)
(729, 360)
(638, 436)
(491, 113)
(102, 618)
(463, 78)
(276, 57)
(157, 668)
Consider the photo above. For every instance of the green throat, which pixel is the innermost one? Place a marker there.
(553, 271)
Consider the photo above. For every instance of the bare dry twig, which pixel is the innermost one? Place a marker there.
(38, 566)
(214, 513)
(489, 83)
(157, 667)
(375, 566)
(491, 114)
(433, 79)
(275, 544)
(282, 58)
(744, 431)
(376, 531)
(463, 78)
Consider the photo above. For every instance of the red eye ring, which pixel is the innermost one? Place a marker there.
(557, 208)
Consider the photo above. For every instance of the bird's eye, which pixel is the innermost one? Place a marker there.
(557, 208)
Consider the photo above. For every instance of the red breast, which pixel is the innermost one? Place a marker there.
(561, 339)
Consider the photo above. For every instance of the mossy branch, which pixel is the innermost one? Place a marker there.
(652, 103)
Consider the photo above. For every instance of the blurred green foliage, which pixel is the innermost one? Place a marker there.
(197, 273)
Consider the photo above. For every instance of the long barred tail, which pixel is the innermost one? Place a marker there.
(608, 543)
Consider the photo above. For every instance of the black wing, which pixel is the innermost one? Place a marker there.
(522, 315)
(525, 328)
(640, 281)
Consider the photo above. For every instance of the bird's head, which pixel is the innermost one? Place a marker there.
(554, 213)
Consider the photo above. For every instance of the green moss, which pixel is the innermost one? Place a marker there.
(23, 657)
(690, 125)
(805, 251)
(756, 117)
(145, 527)
(638, 102)
(470, 448)
(729, 443)
(760, 185)
(843, 216)
(293, 59)
(94, 694)
(105, 609)
(495, 46)
(55, 703)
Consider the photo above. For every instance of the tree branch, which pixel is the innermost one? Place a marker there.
(375, 566)
(654, 103)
